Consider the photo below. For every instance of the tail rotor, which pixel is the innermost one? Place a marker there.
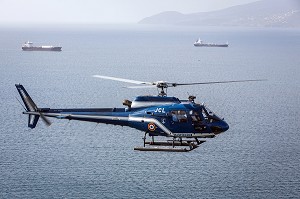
(31, 108)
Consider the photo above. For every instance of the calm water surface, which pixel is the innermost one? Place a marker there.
(258, 157)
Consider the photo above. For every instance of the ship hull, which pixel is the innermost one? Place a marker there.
(41, 49)
(211, 45)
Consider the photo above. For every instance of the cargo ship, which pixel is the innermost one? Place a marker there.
(28, 46)
(199, 43)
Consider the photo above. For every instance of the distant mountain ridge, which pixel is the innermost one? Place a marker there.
(264, 13)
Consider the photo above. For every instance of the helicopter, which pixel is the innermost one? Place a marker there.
(182, 122)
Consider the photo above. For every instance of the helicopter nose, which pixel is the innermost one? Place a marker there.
(219, 127)
(225, 126)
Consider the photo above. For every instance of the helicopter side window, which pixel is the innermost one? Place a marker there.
(179, 116)
(195, 116)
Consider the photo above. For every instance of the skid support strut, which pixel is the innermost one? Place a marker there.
(174, 145)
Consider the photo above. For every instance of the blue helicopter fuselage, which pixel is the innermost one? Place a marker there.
(165, 116)
(156, 115)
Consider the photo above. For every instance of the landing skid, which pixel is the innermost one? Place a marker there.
(170, 145)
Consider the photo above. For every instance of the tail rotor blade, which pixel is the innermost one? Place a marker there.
(45, 120)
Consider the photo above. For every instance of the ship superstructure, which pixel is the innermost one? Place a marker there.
(28, 46)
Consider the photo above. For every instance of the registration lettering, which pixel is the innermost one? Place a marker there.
(183, 134)
(160, 110)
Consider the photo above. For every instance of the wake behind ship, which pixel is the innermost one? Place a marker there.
(28, 46)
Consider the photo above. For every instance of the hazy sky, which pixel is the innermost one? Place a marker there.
(100, 11)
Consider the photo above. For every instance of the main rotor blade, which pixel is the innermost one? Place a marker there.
(150, 86)
(219, 82)
(122, 80)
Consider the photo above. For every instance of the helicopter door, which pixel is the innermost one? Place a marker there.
(179, 116)
(198, 121)
(179, 121)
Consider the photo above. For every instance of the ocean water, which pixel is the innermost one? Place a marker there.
(258, 157)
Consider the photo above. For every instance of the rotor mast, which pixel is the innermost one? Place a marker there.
(162, 85)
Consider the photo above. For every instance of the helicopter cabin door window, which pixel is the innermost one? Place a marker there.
(195, 117)
(179, 116)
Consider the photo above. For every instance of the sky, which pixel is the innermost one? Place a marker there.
(100, 11)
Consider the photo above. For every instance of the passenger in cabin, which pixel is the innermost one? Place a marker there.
(179, 116)
(195, 117)
(174, 116)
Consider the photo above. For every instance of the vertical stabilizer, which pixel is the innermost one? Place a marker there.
(30, 106)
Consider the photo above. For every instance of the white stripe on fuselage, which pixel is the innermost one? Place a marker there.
(64, 116)
(155, 121)
(130, 118)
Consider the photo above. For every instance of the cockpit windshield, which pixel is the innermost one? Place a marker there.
(208, 114)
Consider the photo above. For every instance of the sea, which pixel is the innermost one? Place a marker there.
(258, 157)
